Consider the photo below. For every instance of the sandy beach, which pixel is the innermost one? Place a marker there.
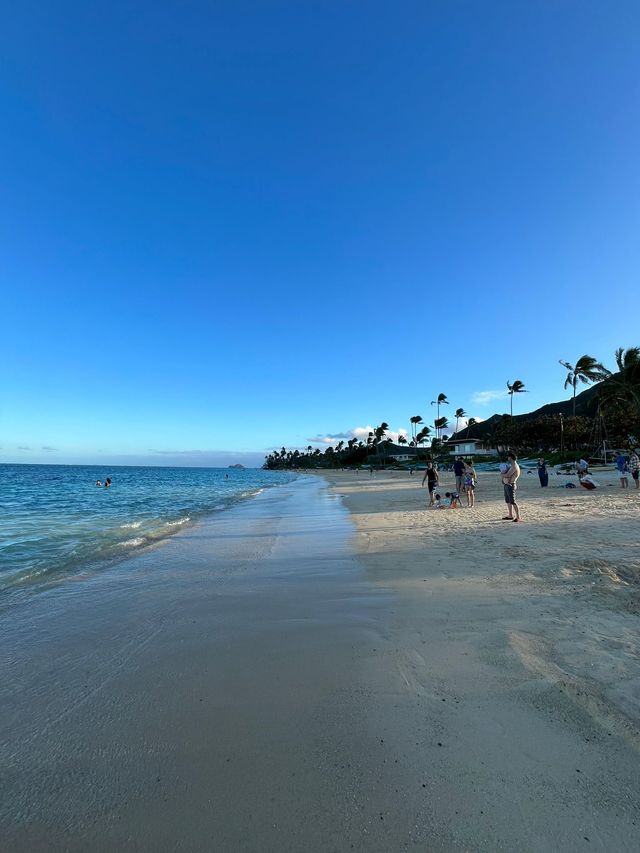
(519, 645)
(332, 666)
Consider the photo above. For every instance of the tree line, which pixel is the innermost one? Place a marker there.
(617, 417)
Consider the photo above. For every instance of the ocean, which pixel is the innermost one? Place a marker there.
(57, 524)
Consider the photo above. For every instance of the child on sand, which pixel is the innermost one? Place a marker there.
(454, 499)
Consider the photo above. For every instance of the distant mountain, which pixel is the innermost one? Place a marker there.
(237, 465)
(586, 405)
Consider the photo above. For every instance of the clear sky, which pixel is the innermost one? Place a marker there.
(229, 226)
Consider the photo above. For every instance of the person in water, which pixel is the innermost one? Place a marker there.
(98, 482)
(107, 482)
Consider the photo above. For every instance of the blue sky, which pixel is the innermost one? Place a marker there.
(231, 226)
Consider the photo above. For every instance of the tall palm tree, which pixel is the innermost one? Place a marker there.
(460, 413)
(421, 437)
(515, 387)
(586, 369)
(414, 421)
(441, 400)
(440, 424)
(378, 440)
(624, 386)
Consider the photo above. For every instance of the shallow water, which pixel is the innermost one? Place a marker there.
(56, 522)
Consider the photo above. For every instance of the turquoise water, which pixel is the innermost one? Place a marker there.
(56, 522)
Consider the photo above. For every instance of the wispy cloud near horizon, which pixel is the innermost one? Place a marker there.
(483, 398)
(359, 432)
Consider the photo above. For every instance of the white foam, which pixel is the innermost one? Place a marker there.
(133, 525)
(176, 523)
(131, 543)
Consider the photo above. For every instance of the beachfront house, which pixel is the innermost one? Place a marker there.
(468, 447)
(396, 453)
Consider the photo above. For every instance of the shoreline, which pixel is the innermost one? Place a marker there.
(332, 667)
(199, 696)
(119, 540)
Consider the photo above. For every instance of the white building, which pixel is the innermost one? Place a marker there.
(468, 447)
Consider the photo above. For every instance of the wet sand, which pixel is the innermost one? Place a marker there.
(291, 676)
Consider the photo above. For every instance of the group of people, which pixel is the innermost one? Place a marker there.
(509, 474)
(107, 482)
(465, 482)
(628, 466)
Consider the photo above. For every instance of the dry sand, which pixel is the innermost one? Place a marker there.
(461, 684)
(516, 649)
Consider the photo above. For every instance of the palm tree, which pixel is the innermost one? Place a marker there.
(624, 387)
(414, 421)
(378, 433)
(440, 424)
(515, 387)
(441, 400)
(421, 437)
(402, 439)
(460, 413)
(471, 423)
(586, 369)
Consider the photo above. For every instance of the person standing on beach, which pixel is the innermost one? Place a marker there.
(542, 473)
(458, 470)
(634, 467)
(431, 475)
(623, 470)
(470, 483)
(509, 481)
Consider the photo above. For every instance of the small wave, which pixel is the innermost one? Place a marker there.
(131, 543)
(176, 523)
(133, 525)
(252, 493)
